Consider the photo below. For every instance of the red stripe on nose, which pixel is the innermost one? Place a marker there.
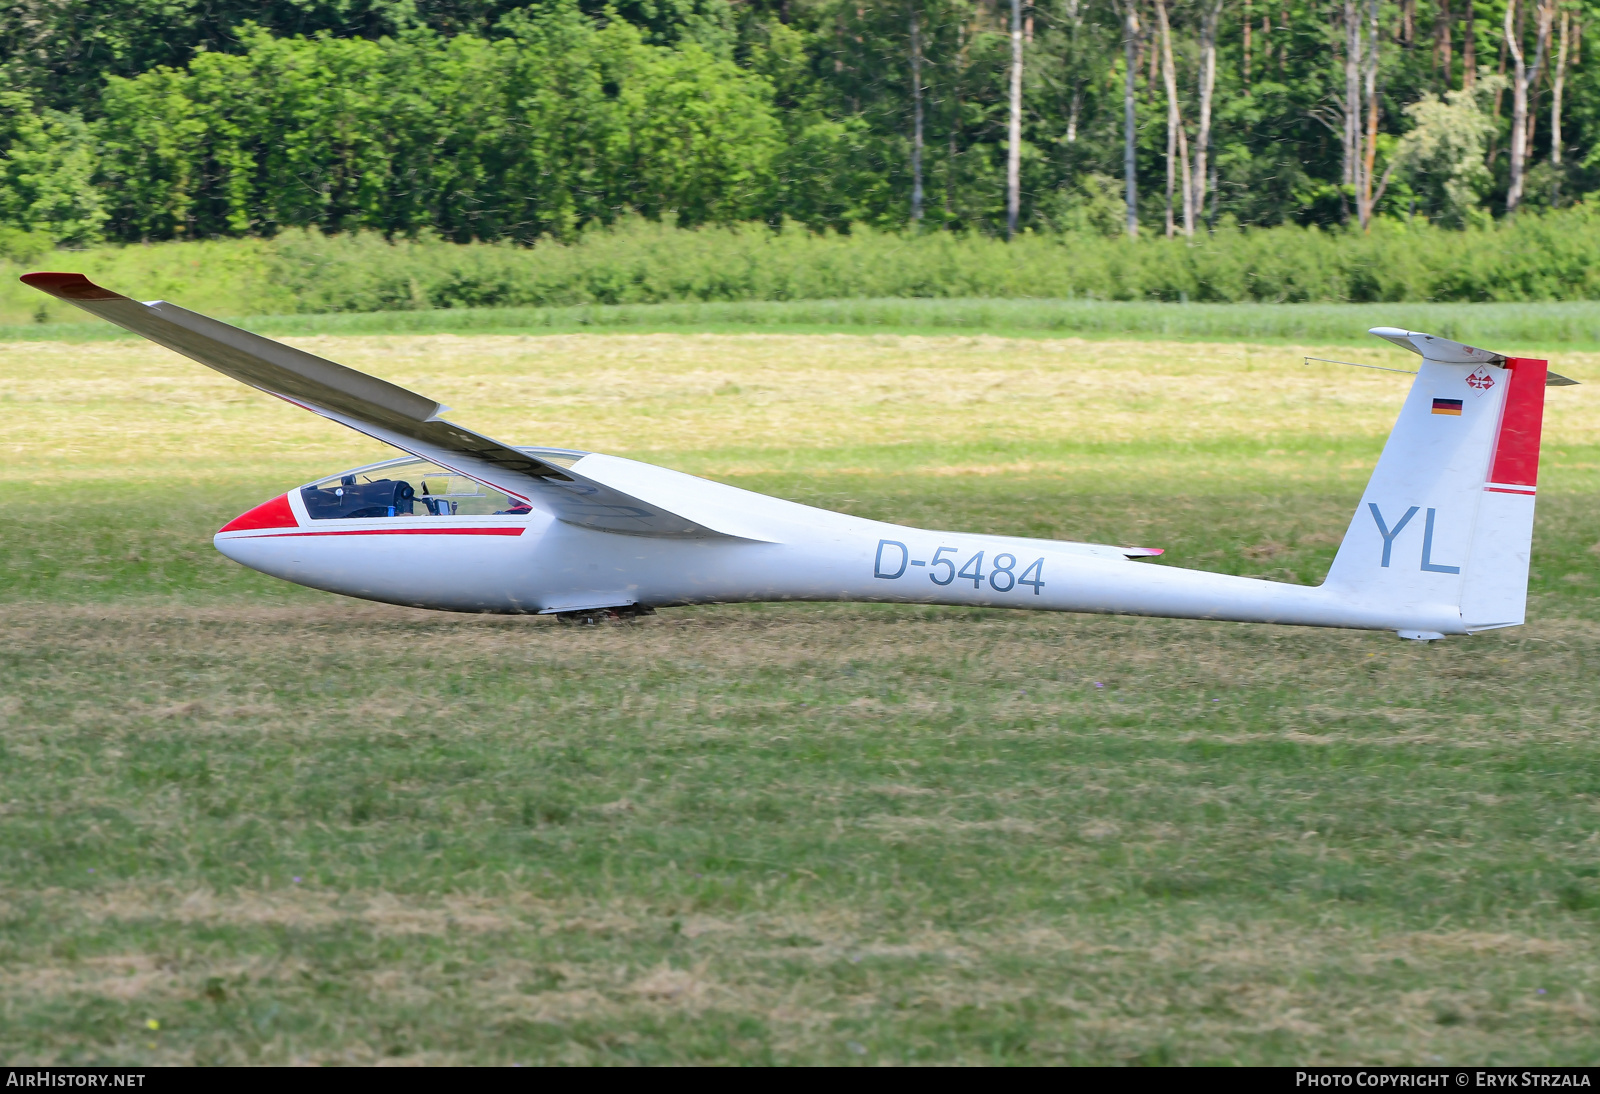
(276, 513)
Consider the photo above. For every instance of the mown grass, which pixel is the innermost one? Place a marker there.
(289, 827)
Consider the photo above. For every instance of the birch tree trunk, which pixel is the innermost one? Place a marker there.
(1189, 213)
(1370, 86)
(1558, 85)
(1014, 131)
(1176, 143)
(1352, 98)
(1523, 76)
(1442, 44)
(1208, 82)
(1545, 23)
(916, 122)
(1075, 13)
(1169, 77)
(1469, 51)
(1130, 128)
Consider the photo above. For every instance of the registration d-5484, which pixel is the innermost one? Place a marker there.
(894, 561)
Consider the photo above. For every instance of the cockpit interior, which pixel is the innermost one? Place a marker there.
(413, 487)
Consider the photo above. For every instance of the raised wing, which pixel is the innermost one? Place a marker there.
(391, 414)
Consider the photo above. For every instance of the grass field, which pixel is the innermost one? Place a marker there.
(1514, 328)
(246, 822)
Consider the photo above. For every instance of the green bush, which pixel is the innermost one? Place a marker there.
(47, 166)
(637, 261)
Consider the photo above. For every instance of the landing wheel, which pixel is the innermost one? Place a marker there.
(595, 616)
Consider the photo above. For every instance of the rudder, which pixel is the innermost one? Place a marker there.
(1495, 589)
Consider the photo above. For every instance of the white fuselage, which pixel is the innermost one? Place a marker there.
(771, 550)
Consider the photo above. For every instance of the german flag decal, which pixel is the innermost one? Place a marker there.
(1447, 406)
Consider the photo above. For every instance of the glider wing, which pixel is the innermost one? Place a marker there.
(410, 422)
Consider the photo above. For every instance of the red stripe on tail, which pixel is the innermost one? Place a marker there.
(1516, 450)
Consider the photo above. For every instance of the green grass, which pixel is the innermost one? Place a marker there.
(1522, 328)
(288, 827)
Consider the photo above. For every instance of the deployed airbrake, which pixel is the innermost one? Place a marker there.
(1438, 546)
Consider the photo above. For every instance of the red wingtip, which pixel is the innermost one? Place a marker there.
(69, 286)
(277, 513)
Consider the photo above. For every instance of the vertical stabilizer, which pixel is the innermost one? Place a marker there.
(1446, 521)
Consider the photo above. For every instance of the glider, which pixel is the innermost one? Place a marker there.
(1438, 545)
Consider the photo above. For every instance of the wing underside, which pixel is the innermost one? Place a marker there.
(404, 419)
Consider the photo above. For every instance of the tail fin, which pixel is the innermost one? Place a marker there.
(1446, 523)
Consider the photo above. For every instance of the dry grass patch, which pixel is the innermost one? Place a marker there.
(753, 399)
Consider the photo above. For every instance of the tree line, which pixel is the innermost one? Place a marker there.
(484, 120)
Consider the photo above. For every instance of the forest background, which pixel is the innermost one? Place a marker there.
(1262, 128)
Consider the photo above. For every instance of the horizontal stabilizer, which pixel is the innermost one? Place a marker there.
(382, 410)
(1446, 352)
(1433, 348)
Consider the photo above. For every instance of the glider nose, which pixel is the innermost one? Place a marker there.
(277, 513)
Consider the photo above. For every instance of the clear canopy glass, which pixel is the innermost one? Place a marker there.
(413, 487)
